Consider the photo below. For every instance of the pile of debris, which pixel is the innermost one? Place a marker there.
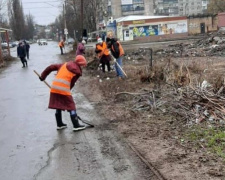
(213, 45)
(177, 89)
(6, 59)
(196, 105)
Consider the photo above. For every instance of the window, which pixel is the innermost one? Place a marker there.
(138, 7)
(138, 1)
(109, 10)
(127, 8)
(127, 33)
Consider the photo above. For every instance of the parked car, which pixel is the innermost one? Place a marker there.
(70, 40)
(4, 45)
(42, 42)
(91, 39)
(16, 43)
(12, 44)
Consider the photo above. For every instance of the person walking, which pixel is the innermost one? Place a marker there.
(60, 95)
(61, 46)
(103, 54)
(21, 53)
(80, 48)
(117, 52)
(103, 37)
(27, 47)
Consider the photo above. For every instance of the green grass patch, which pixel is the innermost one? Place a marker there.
(213, 139)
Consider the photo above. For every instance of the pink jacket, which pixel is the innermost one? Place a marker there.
(80, 49)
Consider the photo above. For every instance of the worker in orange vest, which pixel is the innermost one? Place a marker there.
(61, 46)
(60, 95)
(118, 53)
(103, 54)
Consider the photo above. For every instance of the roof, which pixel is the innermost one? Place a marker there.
(97, 31)
(4, 30)
(134, 18)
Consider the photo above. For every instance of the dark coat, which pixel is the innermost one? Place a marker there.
(116, 52)
(58, 101)
(21, 51)
(27, 47)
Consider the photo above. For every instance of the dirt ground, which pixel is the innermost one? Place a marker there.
(159, 134)
(143, 108)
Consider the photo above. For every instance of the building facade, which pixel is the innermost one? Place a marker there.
(201, 24)
(190, 7)
(120, 8)
(180, 7)
(151, 28)
(113, 9)
(166, 7)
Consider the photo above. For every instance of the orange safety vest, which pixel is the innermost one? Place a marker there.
(61, 83)
(103, 48)
(120, 48)
(61, 44)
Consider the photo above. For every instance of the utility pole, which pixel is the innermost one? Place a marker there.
(64, 14)
(82, 16)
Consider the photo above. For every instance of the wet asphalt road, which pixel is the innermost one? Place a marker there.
(30, 146)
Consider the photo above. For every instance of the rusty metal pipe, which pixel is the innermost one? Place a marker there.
(151, 52)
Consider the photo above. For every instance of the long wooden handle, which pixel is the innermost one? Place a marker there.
(118, 64)
(44, 80)
(120, 68)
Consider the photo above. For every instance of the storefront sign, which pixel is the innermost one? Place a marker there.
(139, 22)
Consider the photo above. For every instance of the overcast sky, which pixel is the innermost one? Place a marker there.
(44, 11)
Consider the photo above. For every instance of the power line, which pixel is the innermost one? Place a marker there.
(40, 2)
(52, 5)
(48, 16)
(40, 8)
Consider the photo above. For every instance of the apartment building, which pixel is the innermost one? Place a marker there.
(190, 7)
(113, 9)
(120, 8)
(180, 7)
(166, 7)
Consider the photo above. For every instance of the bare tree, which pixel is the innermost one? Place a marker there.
(90, 14)
(29, 27)
(59, 26)
(216, 6)
(3, 21)
(72, 17)
(16, 17)
(75, 19)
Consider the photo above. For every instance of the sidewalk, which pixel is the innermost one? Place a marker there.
(200, 36)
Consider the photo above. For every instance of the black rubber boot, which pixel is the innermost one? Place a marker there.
(26, 63)
(60, 124)
(76, 125)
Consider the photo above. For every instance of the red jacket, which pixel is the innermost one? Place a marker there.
(59, 101)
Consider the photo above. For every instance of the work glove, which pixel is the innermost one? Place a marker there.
(41, 79)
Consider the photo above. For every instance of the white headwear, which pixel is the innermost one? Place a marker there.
(100, 40)
(83, 41)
